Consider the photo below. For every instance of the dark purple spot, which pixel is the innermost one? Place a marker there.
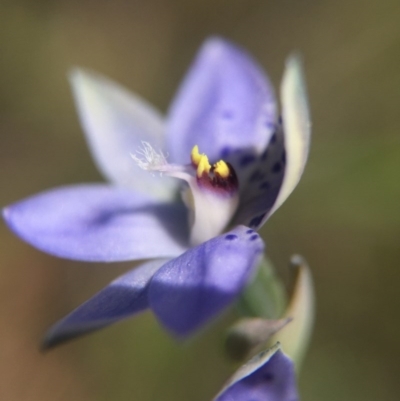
(265, 185)
(255, 221)
(270, 125)
(264, 155)
(227, 114)
(273, 138)
(283, 157)
(280, 120)
(268, 377)
(277, 167)
(249, 231)
(254, 237)
(257, 176)
(225, 152)
(230, 237)
(246, 160)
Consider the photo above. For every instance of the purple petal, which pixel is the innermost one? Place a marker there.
(277, 172)
(225, 104)
(123, 298)
(99, 223)
(192, 288)
(267, 377)
(116, 122)
(260, 190)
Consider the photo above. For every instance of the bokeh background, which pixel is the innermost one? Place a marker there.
(344, 217)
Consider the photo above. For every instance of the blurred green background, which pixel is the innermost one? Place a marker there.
(344, 217)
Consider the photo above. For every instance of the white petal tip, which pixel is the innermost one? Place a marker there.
(81, 79)
(75, 74)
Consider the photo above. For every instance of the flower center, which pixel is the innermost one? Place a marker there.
(218, 177)
(212, 194)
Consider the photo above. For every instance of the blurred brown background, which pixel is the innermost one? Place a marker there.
(344, 217)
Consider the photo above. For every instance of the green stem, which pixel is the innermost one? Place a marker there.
(265, 296)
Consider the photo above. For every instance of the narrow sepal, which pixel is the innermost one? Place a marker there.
(124, 297)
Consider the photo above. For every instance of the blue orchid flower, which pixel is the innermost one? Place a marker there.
(192, 215)
(269, 376)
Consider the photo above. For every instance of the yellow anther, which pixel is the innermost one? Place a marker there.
(195, 155)
(200, 160)
(222, 169)
(204, 166)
